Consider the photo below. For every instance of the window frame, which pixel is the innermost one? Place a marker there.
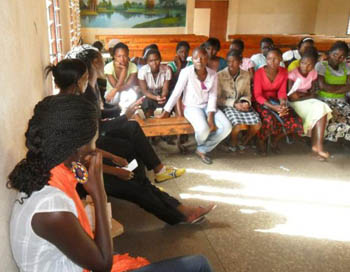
(54, 30)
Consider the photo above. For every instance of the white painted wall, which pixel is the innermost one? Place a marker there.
(271, 16)
(332, 17)
(289, 17)
(201, 24)
(24, 54)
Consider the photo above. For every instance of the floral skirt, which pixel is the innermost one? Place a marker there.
(339, 125)
(271, 126)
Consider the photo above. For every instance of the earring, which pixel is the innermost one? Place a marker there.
(80, 172)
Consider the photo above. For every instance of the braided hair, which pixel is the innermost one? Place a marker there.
(60, 125)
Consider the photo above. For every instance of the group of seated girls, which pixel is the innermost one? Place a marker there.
(316, 103)
(222, 96)
(77, 147)
(74, 137)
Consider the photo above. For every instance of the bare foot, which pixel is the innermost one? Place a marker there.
(320, 153)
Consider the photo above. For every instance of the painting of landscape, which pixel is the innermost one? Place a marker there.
(132, 13)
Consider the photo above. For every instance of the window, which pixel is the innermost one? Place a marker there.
(348, 30)
(55, 36)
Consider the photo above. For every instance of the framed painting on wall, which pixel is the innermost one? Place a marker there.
(132, 13)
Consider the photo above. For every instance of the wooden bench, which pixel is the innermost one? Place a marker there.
(165, 127)
(322, 42)
(168, 126)
(166, 43)
(151, 38)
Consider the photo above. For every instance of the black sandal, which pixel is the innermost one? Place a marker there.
(204, 158)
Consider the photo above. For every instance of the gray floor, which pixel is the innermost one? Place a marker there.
(286, 212)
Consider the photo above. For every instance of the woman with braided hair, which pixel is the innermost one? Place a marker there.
(126, 139)
(48, 220)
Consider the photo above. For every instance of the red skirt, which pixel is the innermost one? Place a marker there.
(271, 126)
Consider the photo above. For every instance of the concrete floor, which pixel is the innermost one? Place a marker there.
(286, 212)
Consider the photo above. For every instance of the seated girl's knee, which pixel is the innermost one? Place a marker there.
(227, 128)
(202, 134)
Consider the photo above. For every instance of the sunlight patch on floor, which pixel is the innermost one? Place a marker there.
(316, 208)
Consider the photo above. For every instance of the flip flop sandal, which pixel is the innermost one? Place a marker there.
(200, 219)
(205, 159)
(242, 147)
(197, 221)
(232, 148)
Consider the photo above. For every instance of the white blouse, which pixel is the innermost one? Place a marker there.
(145, 73)
(31, 252)
(195, 93)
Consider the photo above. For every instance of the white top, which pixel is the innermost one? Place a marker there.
(246, 64)
(259, 61)
(321, 67)
(31, 252)
(145, 73)
(195, 93)
(291, 55)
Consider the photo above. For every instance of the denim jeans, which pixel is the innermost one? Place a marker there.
(194, 263)
(206, 140)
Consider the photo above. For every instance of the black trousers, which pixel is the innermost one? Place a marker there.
(139, 190)
(143, 193)
(128, 135)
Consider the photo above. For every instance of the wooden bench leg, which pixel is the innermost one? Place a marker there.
(183, 149)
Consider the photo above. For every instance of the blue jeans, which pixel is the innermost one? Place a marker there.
(206, 140)
(194, 263)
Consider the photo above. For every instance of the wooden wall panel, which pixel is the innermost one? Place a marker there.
(218, 17)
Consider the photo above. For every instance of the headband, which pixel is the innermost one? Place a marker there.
(75, 51)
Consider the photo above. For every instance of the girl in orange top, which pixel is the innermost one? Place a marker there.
(48, 221)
